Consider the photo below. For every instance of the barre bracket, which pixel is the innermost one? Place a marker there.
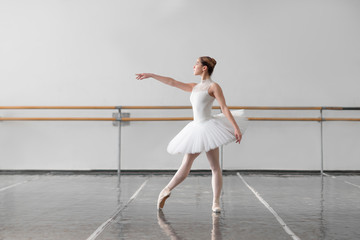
(118, 117)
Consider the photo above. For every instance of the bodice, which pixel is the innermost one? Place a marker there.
(201, 101)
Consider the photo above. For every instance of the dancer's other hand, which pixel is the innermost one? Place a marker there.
(141, 76)
(238, 135)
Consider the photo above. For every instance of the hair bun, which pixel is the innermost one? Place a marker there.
(213, 61)
(209, 62)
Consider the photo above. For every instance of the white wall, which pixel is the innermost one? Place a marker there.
(269, 53)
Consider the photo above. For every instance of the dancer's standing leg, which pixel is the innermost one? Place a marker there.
(216, 180)
(179, 176)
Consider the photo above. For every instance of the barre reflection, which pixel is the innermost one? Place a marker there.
(171, 232)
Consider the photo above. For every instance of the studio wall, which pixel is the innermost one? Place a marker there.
(86, 53)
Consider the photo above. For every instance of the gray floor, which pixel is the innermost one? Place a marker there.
(254, 207)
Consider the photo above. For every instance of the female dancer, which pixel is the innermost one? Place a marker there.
(206, 132)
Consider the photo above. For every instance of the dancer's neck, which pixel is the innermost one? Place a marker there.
(205, 76)
(205, 80)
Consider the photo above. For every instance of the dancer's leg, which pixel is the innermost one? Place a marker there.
(183, 170)
(179, 176)
(216, 180)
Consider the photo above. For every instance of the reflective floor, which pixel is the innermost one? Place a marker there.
(254, 207)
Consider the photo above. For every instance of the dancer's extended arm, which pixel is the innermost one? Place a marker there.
(167, 80)
(218, 94)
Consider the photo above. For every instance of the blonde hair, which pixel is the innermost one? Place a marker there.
(209, 62)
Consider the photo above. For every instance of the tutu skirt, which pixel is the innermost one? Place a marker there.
(202, 136)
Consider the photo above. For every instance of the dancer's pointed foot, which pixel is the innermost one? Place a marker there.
(164, 194)
(216, 207)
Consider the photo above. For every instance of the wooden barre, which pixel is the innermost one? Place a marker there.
(158, 119)
(177, 107)
(250, 119)
(283, 119)
(342, 119)
(341, 108)
(172, 119)
(217, 107)
(156, 107)
(56, 119)
(58, 107)
(160, 107)
(276, 108)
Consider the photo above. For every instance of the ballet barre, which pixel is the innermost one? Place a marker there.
(230, 107)
(128, 119)
(154, 107)
(119, 117)
(55, 119)
(174, 107)
(249, 118)
(57, 107)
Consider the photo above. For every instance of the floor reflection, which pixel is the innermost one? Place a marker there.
(166, 226)
(215, 232)
(322, 221)
(168, 229)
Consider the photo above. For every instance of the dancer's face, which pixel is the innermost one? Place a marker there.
(198, 68)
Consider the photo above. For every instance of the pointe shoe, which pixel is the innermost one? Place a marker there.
(164, 194)
(216, 208)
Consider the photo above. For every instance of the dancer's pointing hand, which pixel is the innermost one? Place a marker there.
(141, 76)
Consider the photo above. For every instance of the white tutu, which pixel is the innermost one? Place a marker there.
(199, 136)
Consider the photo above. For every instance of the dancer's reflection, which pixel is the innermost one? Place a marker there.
(215, 232)
(166, 226)
(170, 231)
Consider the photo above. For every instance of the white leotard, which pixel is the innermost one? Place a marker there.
(206, 132)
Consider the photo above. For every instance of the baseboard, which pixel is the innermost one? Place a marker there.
(171, 172)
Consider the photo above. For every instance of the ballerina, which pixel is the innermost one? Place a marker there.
(206, 133)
